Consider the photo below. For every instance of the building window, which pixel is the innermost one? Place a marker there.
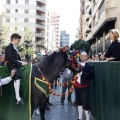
(26, 10)
(16, 1)
(7, 19)
(15, 28)
(16, 19)
(101, 9)
(26, 2)
(8, 1)
(7, 10)
(16, 10)
(26, 20)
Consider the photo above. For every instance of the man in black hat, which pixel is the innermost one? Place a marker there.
(14, 62)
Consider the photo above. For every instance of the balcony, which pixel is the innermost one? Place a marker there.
(90, 20)
(40, 43)
(40, 35)
(39, 17)
(88, 3)
(40, 26)
(104, 18)
(89, 36)
(87, 29)
(41, 9)
(42, 1)
(87, 16)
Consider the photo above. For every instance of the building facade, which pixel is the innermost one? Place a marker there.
(55, 21)
(64, 39)
(21, 15)
(98, 18)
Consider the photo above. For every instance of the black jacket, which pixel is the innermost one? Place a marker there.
(87, 73)
(12, 57)
(114, 51)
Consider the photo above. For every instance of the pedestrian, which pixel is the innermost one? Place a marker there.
(83, 86)
(113, 52)
(67, 76)
(2, 60)
(102, 57)
(14, 62)
(97, 58)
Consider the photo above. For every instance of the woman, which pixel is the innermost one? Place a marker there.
(113, 52)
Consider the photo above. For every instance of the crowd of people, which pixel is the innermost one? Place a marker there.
(82, 85)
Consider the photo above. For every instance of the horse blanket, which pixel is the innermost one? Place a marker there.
(9, 109)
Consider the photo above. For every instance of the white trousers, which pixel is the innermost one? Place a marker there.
(17, 89)
(80, 112)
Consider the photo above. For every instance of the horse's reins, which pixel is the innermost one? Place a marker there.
(42, 73)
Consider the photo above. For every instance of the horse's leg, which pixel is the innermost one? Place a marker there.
(32, 110)
(42, 111)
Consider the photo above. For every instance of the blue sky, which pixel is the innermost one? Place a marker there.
(69, 12)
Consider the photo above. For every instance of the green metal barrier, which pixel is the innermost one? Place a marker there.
(105, 91)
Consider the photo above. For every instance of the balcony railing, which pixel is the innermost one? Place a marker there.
(40, 26)
(87, 16)
(40, 35)
(40, 8)
(40, 43)
(42, 1)
(40, 17)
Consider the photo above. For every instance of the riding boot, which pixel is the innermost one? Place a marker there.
(87, 113)
(17, 88)
(80, 112)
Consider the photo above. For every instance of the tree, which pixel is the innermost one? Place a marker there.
(5, 31)
(26, 48)
(81, 45)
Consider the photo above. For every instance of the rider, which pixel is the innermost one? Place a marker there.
(14, 62)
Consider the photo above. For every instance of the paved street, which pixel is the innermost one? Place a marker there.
(58, 111)
(61, 112)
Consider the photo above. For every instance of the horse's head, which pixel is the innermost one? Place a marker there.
(52, 64)
(72, 61)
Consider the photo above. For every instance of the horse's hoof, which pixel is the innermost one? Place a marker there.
(21, 102)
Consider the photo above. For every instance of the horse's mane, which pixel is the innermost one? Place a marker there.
(52, 63)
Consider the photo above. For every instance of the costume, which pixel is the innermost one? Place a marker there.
(82, 88)
(14, 62)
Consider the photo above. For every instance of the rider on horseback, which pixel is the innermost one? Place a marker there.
(14, 62)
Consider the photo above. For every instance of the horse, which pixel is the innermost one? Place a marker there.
(50, 66)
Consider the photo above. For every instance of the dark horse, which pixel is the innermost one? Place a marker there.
(50, 67)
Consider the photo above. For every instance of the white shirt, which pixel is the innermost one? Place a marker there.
(5, 81)
(79, 74)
